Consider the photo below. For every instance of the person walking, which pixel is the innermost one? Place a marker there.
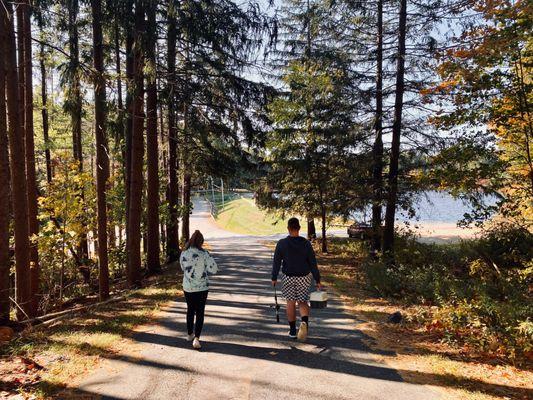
(197, 264)
(296, 258)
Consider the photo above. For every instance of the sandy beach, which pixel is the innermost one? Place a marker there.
(440, 232)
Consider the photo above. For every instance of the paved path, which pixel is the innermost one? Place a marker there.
(246, 354)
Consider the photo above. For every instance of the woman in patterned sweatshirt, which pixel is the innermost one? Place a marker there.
(197, 264)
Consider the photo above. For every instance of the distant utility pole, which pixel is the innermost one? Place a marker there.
(212, 189)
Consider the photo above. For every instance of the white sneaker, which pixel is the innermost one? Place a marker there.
(302, 332)
(190, 337)
(196, 344)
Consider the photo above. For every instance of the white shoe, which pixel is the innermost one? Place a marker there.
(196, 344)
(190, 337)
(302, 332)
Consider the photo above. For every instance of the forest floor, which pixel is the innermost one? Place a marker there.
(418, 351)
(45, 360)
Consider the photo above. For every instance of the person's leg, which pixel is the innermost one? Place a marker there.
(200, 311)
(303, 307)
(291, 316)
(189, 298)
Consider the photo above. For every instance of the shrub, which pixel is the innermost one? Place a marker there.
(481, 287)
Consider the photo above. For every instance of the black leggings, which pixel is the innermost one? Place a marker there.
(195, 306)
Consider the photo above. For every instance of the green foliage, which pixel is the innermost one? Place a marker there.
(484, 98)
(481, 287)
(313, 164)
(67, 214)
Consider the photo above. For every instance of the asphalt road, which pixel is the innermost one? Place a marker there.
(246, 354)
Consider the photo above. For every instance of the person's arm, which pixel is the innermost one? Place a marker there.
(182, 261)
(276, 262)
(210, 264)
(311, 258)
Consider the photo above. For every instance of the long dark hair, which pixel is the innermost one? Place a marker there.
(196, 240)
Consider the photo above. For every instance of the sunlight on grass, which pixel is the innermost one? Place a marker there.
(243, 216)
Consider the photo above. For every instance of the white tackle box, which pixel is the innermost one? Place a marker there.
(319, 299)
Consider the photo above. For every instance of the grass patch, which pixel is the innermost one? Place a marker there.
(244, 217)
(43, 362)
(423, 354)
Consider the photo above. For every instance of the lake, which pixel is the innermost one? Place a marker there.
(432, 206)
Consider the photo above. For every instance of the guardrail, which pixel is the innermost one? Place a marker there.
(212, 207)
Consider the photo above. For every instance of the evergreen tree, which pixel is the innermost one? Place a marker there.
(220, 108)
(102, 158)
(18, 169)
(314, 144)
(5, 185)
(152, 149)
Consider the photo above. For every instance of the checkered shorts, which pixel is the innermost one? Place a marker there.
(296, 288)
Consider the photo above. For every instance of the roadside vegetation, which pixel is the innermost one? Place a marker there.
(44, 361)
(466, 309)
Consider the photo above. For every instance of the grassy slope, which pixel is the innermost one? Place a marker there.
(242, 216)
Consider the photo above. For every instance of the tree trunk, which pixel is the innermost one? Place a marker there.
(75, 105)
(186, 201)
(119, 139)
(137, 152)
(102, 159)
(324, 236)
(32, 194)
(18, 170)
(152, 149)
(5, 259)
(44, 113)
(311, 229)
(377, 150)
(186, 159)
(130, 87)
(388, 235)
(172, 190)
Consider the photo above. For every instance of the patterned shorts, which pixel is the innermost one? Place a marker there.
(296, 288)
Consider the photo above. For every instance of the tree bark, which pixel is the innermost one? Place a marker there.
(32, 194)
(186, 159)
(130, 88)
(75, 101)
(392, 197)
(324, 235)
(377, 150)
(119, 139)
(311, 229)
(137, 153)
(172, 190)
(18, 170)
(5, 217)
(102, 159)
(44, 113)
(186, 201)
(152, 149)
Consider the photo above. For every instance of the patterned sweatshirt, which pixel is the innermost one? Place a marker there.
(197, 265)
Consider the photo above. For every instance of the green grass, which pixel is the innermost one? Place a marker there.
(243, 216)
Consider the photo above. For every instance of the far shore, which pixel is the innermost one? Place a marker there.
(440, 232)
(427, 231)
